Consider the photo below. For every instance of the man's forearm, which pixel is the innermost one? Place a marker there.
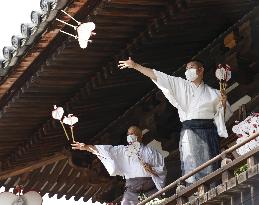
(146, 71)
(91, 148)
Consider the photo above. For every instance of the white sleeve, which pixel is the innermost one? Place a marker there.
(109, 156)
(220, 118)
(172, 87)
(156, 160)
(220, 123)
(219, 106)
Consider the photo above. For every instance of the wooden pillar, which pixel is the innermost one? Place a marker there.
(202, 189)
(226, 174)
(251, 161)
(202, 192)
(182, 199)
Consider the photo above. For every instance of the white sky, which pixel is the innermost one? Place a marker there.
(12, 14)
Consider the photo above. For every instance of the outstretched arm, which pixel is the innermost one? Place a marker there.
(131, 64)
(109, 155)
(82, 146)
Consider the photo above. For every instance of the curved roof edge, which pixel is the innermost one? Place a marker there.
(29, 33)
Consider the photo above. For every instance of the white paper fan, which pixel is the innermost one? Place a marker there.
(245, 129)
(70, 119)
(133, 149)
(223, 73)
(84, 32)
(243, 149)
(32, 198)
(57, 113)
(29, 198)
(7, 198)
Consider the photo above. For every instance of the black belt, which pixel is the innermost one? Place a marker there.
(198, 124)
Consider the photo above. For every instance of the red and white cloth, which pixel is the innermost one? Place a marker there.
(245, 129)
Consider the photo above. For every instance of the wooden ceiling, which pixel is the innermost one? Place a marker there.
(161, 34)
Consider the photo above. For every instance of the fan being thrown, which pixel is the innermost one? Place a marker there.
(84, 31)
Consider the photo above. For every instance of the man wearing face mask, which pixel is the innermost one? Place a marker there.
(201, 111)
(142, 166)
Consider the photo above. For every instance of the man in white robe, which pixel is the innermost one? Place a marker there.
(142, 166)
(201, 111)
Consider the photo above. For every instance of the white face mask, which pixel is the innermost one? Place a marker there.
(132, 138)
(191, 74)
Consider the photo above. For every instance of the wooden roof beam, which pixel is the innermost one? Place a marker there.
(204, 52)
(31, 166)
(106, 71)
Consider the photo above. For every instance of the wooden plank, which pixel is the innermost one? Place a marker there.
(61, 180)
(31, 166)
(53, 176)
(216, 173)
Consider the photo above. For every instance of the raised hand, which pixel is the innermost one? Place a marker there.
(223, 98)
(78, 146)
(131, 64)
(148, 168)
(127, 64)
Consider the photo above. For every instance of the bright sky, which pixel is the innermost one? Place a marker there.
(12, 14)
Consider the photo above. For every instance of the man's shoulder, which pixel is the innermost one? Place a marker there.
(211, 88)
(118, 147)
(161, 73)
(121, 146)
(150, 149)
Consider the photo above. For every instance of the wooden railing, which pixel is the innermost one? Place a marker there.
(224, 173)
(227, 166)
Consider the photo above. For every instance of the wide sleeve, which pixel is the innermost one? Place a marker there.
(221, 117)
(110, 157)
(156, 160)
(173, 88)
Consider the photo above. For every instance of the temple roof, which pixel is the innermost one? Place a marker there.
(45, 68)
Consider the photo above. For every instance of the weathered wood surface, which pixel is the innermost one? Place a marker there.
(89, 84)
(242, 189)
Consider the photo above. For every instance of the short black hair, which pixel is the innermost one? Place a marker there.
(198, 62)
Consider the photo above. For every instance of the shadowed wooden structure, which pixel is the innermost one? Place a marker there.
(45, 68)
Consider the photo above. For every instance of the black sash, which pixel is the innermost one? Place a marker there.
(198, 124)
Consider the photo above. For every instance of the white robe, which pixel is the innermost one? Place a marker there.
(192, 102)
(118, 161)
